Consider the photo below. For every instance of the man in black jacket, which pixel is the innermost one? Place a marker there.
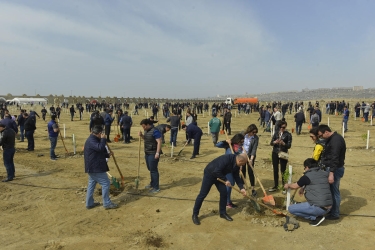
(95, 154)
(30, 127)
(7, 141)
(299, 118)
(333, 158)
(219, 168)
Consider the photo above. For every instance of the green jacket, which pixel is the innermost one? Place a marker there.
(215, 125)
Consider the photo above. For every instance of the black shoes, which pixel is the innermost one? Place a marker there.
(226, 216)
(6, 180)
(331, 217)
(195, 219)
(192, 157)
(317, 221)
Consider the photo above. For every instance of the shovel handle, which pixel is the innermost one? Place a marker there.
(114, 159)
(256, 176)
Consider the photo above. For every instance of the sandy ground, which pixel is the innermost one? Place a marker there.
(44, 207)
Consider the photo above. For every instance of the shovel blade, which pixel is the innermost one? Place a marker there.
(269, 200)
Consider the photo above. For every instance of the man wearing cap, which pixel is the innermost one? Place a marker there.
(53, 133)
(314, 183)
(126, 123)
(7, 141)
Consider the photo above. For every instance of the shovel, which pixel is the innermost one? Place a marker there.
(139, 163)
(253, 199)
(267, 199)
(66, 150)
(182, 149)
(114, 159)
(255, 204)
(114, 181)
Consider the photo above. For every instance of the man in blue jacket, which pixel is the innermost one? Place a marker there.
(193, 132)
(219, 168)
(95, 154)
(53, 133)
(108, 122)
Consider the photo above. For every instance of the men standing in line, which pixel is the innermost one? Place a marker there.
(174, 120)
(219, 168)
(7, 141)
(107, 123)
(214, 125)
(152, 147)
(227, 120)
(30, 126)
(126, 123)
(53, 133)
(314, 183)
(333, 158)
(193, 132)
(95, 154)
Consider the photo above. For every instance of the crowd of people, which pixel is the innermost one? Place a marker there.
(320, 183)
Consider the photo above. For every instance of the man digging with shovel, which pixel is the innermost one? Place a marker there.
(218, 168)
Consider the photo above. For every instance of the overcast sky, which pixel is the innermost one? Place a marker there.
(184, 49)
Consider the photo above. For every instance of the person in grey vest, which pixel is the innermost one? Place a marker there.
(314, 183)
(152, 147)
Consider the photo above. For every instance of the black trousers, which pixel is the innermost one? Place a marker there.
(107, 131)
(208, 181)
(250, 171)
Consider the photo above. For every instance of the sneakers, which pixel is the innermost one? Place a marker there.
(231, 205)
(111, 206)
(154, 191)
(93, 205)
(53, 159)
(273, 189)
(317, 221)
(148, 187)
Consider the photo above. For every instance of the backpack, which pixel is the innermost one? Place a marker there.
(315, 119)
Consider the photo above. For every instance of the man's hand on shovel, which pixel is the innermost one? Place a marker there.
(243, 191)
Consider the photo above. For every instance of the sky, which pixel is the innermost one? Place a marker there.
(184, 49)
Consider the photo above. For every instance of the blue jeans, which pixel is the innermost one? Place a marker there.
(152, 166)
(8, 155)
(298, 127)
(336, 196)
(365, 115)
(103, 180)
(53, 141)
(30, 139)
(173, 139)
(208, 181)
(22, 132)
(345, 124)
(230, 178)
(307, 211)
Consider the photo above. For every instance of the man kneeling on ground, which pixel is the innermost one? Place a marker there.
(315, 184)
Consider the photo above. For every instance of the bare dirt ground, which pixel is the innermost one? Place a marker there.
(44, 207)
